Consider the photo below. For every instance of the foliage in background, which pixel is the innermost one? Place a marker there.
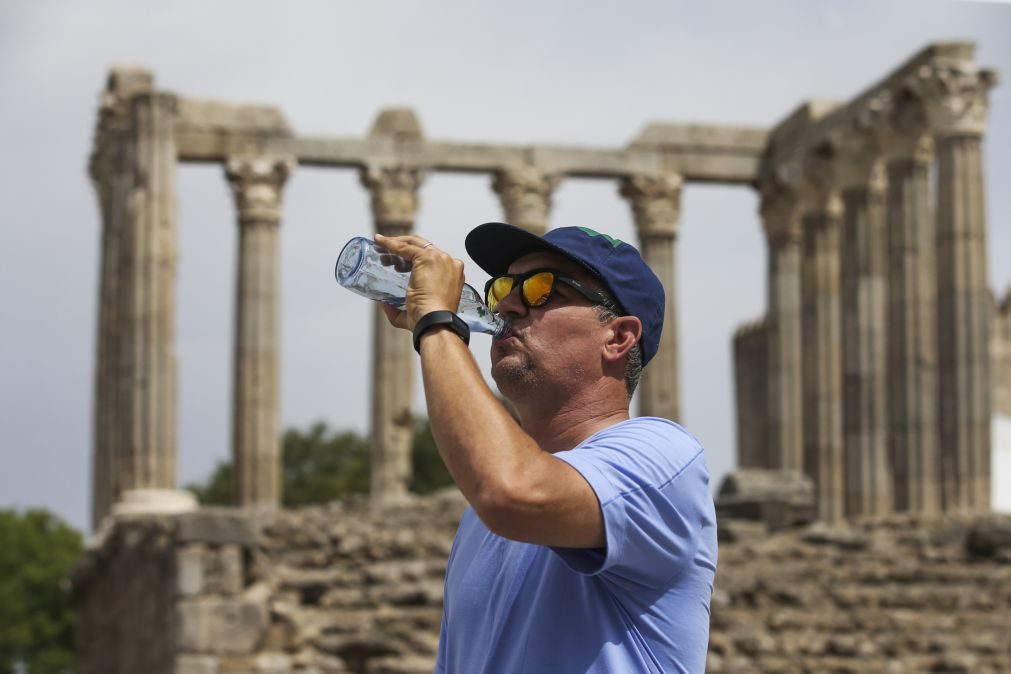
(37, 617)
(428, 472)
(321, 465)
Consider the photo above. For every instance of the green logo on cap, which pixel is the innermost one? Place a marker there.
(610, 239)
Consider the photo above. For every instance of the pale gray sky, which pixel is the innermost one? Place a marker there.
(581, 71)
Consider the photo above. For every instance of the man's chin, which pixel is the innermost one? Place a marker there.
(512, 375)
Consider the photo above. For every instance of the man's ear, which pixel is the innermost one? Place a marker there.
(625, 334)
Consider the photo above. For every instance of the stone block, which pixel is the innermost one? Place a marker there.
(273, 663)
(196, 664)
(221, 626)
(209, 570)
(218, 526)
(779, 498)
(988, 538)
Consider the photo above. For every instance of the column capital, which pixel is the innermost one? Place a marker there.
(525, 192)
(256, 184)
(656, 202)
(819, 185)
(394, 192)
(906, 134)
(954, 95)
(859, 161)
(780, 211)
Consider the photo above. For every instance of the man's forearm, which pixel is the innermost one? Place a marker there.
(483, 447)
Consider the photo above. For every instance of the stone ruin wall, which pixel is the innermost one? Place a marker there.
(354, 587)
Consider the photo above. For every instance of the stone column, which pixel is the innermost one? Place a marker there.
(656, 206)
(784, 237)
(822, 355)
(394, 194)
(912, 311)
(144, 290)
(751, 354)
(112, 178)
(955, 94)
(104, 409)
(256, 184)
(864, 321)
(525, 192)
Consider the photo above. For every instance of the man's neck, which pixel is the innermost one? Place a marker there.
(564, 426)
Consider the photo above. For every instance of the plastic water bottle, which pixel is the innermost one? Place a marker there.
(370, 271)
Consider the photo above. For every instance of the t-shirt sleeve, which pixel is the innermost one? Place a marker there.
(653, 490)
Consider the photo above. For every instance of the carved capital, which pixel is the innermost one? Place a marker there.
(859, 162)
(122, 86)
(256, 184)
(819, 185)
(525, 192)
(656, 202)
(780, 210)
(394, 193)
(954, 95)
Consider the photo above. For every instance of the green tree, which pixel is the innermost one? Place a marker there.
(37, 619)
(320, 465)
(218, 488)
(428, 472)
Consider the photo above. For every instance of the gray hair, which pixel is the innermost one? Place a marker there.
(607, 311)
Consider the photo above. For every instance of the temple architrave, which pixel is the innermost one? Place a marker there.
(874, 371)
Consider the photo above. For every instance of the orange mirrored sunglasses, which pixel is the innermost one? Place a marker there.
(536, 287)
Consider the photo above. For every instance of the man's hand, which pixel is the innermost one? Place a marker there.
(436, 279)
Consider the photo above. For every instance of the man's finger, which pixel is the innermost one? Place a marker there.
(397, 317)
(406, 246)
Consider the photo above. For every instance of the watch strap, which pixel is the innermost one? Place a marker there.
(440, 318)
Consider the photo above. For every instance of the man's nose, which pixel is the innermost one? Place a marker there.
(511, 306)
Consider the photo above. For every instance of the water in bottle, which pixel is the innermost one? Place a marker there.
(370, 271)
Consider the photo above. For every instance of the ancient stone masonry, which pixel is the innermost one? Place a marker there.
(751, 384)
(895, 313)
(356, 587)
(142, 134)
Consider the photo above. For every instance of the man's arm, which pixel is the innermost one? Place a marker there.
(517, 489)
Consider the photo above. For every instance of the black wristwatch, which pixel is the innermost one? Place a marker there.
(437, 318)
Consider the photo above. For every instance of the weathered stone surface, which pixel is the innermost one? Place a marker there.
(222, 626)
(751, 389)
(990, 538)
(218, 525)
(209, 569)
(778, 498)
(196, 664)
(904, 593)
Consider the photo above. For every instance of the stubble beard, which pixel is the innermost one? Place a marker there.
(515, 379)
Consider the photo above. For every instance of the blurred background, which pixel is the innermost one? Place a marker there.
(585, 73)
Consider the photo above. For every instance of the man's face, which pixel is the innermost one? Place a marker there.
(558, 343)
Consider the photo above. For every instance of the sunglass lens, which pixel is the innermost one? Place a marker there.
(537, 288)
(498, 290)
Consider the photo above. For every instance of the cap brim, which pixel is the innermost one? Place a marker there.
(496, 245)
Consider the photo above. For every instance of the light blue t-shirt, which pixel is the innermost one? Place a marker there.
(641, 605)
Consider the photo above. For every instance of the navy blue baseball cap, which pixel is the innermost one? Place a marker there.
(619, 266)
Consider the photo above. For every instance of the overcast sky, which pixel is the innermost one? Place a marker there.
(571, 72)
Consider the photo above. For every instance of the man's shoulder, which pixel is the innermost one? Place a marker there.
(656, 450)
(660, 438)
